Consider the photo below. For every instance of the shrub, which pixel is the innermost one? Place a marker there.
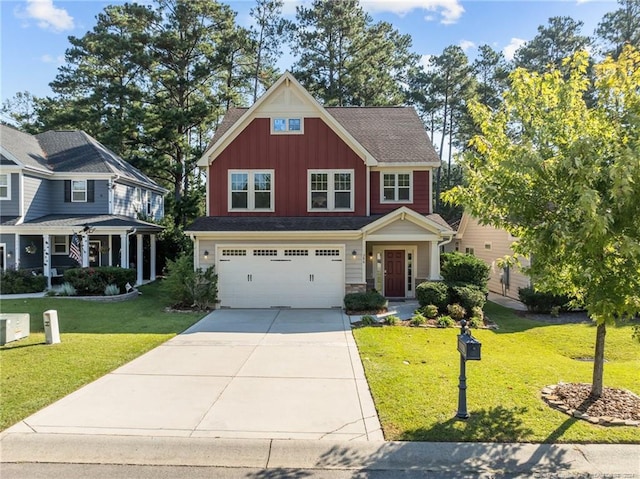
(391, 320)
(93, 281)
(369, 301)
(432, 292)
(65, 289)
(456, 311)
(476, 312)
(418, 319)
(368, 320)
(464, 268)
(189, 288)
(19, 281)
(430, 311)
(539, 302)
(111, 290)
(468, 296)
(445, 322)
(475, 322)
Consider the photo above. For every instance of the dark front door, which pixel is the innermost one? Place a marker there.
(394, 273)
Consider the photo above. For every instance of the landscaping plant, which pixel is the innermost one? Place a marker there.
(188, 288)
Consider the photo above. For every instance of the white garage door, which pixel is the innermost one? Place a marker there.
(266, 277)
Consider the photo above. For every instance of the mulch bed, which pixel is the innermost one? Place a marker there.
(616, 407)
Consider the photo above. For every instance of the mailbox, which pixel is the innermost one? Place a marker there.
(13, 326)
(469, 347)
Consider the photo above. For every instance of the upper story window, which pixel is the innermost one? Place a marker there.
(5, 186)
(396, 188)
(330, 190)
(79, 191)
(149, 202)
(60, 245)
(251, 190)
(286, 125)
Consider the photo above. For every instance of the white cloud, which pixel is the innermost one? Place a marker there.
(46, 58)
(424, 61)
(510, 50)
(450, 10)
(466, 45)
(47, 15)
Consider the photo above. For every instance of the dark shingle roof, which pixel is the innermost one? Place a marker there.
(96, 221)
(8, 220)
(23, 147)
(389, 134)
(274, 223)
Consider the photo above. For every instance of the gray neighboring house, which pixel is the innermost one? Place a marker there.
(60, 183)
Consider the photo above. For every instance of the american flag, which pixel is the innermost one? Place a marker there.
(74, 249)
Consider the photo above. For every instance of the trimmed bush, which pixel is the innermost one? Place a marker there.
(93, 281)
(430, 311)
(476, 312)
(468, 296)
(464, 268)
(456, 311)
(391, 320)
(433, 292)
(475, 322)
(445, 322)
(368, 320)
(189, 288)
(539, 302)
(20, 281)
(369, 301)
(418, 319)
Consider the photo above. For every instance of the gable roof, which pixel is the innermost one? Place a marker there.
(392, 135)
(69, 151)
(432, 222)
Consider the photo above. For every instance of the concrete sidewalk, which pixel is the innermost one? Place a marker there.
(268, 374)
(441, 459)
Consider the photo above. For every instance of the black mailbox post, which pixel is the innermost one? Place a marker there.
(469, 349)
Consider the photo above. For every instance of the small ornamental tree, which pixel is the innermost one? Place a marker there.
(558, 166)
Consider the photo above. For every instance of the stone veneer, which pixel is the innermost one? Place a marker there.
(355, 288)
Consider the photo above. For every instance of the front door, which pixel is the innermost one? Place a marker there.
(95, 258)
(394, 273)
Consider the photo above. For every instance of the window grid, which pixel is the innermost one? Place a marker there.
(396, 187)
(5, 186)
(60, 245)
(79, 191)
(296, 252)
(251, 190)
(265, 252)
(330, 190)
(327, 252)
(234, 252)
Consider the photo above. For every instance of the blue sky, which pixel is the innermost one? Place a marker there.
(34, 32)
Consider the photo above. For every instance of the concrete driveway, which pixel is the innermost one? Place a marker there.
(272, 374)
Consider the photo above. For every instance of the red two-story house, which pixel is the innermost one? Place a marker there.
(306, 203)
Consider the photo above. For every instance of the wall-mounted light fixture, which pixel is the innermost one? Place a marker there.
(370, 254)
(9, 254)
(31, 249)
(206, 254)
(354, 253)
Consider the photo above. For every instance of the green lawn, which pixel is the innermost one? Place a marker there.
(418, 401)
(96, 338)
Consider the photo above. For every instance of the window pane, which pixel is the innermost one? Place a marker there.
(4, 192)
(389, 194)
(4, 180)
(239, 199)
(403, 194)
(78, 185)
(318, 200)
(342, 182)
(389, 180)
(279, 124)
(294, 124)
(403, 180)
(262, 200)
(239, 182)
(262, 181)
(319, 181)
(343, 200)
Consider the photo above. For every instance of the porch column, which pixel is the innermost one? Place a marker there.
(110, 246)
(124, 251)
(139, 259)
(434, 262)
(85, 251)
(46, 258)
(16, 251)
(152, 252)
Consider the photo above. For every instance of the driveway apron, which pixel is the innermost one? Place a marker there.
(273, 374)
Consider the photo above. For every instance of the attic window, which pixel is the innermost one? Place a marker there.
(281, 126)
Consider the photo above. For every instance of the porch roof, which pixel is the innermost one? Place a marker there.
(98, 222)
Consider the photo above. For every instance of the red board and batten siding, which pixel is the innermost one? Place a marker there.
(420, 195)
(290, 156)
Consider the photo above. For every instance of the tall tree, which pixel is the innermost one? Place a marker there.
(345, 59)
(558, 40)
(492, 73)
(563, 176)
(620, 27)
(267, 36)
(22, 111)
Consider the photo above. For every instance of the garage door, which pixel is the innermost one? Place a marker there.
(266, 277)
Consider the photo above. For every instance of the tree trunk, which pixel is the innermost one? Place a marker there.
(598, 363)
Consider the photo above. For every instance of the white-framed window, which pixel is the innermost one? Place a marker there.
(138, 197)
(79, 191)
(149, 196)
(5, 186)
(330, 190)
(282, 125)
(396, 188)
(470, 251)
(60, 245)
(251, 190)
